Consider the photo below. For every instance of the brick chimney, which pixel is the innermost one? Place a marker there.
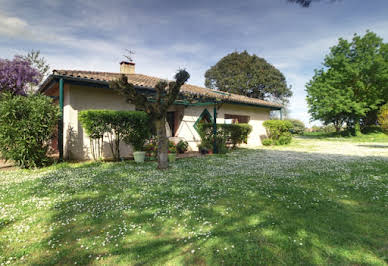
(127, 67)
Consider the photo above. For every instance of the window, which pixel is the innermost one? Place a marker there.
(238, 119)
(205, 117)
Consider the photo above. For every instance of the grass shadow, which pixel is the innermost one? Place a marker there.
(271, 207)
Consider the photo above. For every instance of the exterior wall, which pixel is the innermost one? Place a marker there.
(77, 143)
(76, 98)
(257, 116)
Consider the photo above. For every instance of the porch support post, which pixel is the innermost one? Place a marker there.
(215, 129)
(60, 122)
(281, 114)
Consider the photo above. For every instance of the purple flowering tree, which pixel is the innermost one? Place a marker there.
(16, 74)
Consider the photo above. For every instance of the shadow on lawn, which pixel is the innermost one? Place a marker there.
(247, 226)
(375, 146)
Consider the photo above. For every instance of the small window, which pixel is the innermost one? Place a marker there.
(205, 117)
(238, 119)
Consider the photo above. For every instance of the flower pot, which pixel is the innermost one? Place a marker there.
(139, 156)
(171, 157)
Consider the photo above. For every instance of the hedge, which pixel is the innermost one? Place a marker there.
(27, 124)
(132, 127)
(278, 131)
(226, 133)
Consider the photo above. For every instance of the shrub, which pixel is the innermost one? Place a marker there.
(27, 124)
(182, 146)
(171, 147)
(226, 133)
(279, 131)
(383, 118)
(236, 133)
(267, 142)
(132, 127)
(298, 126)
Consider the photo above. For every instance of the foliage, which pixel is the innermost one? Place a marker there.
(171, 147)
(298, 126)
(352, 84)
(166, 94)
(383, 118)
(16, 74)
(237, 133)
(182, 146)
(132, 127)
(27, 124)
(278, 131)
(248, 75)
(226, 133)
(39, 63)
(267, 142)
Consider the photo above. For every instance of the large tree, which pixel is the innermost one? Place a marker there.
(166, 94)
(352, 83)
(248, 75)
(39, 63)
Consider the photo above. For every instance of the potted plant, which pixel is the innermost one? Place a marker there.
(171, 152)
(182, 146)
(137, 136)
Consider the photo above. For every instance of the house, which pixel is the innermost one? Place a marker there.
(81, 90)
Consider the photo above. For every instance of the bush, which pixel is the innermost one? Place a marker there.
(226, 133)
(132, 127)
(27, 124)
(182, 146)
(236, 133)
(279, 131)
(383, 118)
(267, 142)
(298, 127)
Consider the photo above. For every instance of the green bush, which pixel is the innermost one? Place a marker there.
(226, 133)
(182, 146)
(383, 118)
(132, 127)
(27, 124)
(279, 131)
(236, 133)
(298, 127)
(267, 142)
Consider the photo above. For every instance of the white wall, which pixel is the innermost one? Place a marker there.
(257, 117)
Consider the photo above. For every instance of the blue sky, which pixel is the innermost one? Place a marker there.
(167, 35)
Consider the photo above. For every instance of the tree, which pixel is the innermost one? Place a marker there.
(352, 83)
(248, 75)
(383, 118)
(16, 74)
(39, 63)
(166, 94)
(27, 124)
(305, 3)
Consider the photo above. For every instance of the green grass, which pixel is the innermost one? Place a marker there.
(267, 206)
(370, 137)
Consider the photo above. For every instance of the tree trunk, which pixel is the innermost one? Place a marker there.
(357, 128)
(162, 143)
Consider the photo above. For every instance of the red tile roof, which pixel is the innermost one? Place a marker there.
(150, 82)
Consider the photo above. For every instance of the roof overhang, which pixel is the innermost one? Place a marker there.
(54, 78)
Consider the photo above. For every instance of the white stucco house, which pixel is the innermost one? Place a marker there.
(81, 90)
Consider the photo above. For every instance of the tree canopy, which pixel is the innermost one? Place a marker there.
(16, 74)
(353, 82)
(248, 75)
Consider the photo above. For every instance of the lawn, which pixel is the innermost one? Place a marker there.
(313, 202)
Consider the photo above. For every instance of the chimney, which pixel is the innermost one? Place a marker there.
(127, 67)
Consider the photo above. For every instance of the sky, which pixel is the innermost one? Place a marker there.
(169, 35)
